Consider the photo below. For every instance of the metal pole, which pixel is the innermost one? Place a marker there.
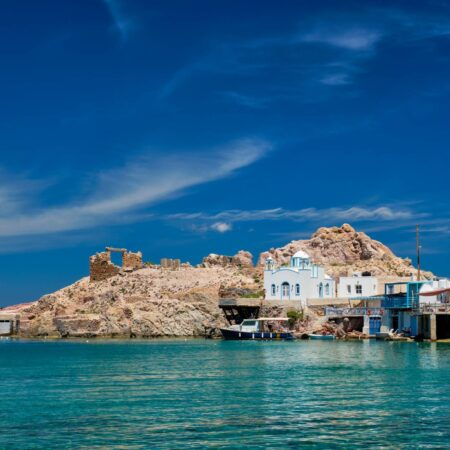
(418, 252)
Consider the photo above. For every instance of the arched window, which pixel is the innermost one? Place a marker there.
(327, 289)
(297, 289)
(272, 289)
(320, 290)
(285, 290)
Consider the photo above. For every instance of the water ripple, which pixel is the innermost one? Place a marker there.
(172, 394)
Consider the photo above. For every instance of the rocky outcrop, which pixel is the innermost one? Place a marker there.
(342, 251)
(148, 302)
(241, 259)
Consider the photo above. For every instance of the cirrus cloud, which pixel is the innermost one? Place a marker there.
(117, 194)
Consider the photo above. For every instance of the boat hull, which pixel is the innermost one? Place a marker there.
(236, 335)
(321, 337)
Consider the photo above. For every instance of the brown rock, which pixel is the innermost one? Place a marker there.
(342, 251)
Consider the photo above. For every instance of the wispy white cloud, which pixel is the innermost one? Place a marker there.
(349, 40)
(354, 213)
(345, 37)
(181, 75)
(414, 24)
(246, 100)
(122, 23)
(118, 193)
(202, 228)
(15, 191)
(336, 79)
(221, 227)
(352, 45)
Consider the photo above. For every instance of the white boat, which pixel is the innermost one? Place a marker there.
(262, 328)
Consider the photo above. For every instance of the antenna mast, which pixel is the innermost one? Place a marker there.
(418, 252)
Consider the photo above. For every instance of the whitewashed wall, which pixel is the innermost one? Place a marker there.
(369, 286)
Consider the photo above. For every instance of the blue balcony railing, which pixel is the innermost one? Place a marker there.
(400, 301)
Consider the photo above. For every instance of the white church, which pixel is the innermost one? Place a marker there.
(300, 280)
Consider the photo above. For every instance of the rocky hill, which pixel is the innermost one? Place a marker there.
(148, 302)
(342, 251)
(181, 300)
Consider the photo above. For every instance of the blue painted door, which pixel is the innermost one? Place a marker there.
(374, 325)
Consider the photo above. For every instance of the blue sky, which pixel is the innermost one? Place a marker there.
(182, 128)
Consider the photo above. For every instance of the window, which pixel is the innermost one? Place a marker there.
(273, 289)
(327, 289)
(248, 323)
(358, 288)
(297, 289)
(349, 288)
(320, 290)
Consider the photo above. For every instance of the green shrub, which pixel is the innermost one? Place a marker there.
(256, 294)
(294, 316)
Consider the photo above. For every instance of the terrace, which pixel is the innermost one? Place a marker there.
(402, 295)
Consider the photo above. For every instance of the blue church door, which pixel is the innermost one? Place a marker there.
(374, 325)
(285, 290)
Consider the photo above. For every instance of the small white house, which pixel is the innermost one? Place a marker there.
(300, 280)
(357, 286)
(435, 292)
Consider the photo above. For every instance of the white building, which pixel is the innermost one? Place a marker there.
(300, 280)
(435, 292)
(357, 286)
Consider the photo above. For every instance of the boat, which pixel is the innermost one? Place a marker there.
(263, 328)
(322, 337)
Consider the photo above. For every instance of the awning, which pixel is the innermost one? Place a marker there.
(433, 293)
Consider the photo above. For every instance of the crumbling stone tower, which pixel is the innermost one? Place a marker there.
(101, 267)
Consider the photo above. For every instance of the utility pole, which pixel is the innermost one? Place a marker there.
(418, 252)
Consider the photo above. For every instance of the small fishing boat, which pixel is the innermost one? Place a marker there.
(262, 328)
(322, 337)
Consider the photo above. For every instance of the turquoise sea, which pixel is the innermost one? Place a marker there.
(177, 394)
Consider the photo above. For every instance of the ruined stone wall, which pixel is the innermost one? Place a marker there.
(168, 263)
(131, 260)
(101, 267)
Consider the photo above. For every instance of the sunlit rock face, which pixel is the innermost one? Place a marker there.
(343, 251)
(147, 302)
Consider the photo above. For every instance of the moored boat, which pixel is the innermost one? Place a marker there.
(322, 337)
(262, 328)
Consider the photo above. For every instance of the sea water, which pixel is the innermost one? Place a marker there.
(179, 394)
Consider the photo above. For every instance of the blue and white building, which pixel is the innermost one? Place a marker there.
(415, 308)
(300, 280)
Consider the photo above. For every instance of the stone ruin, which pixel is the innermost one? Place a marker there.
(168, 263)
(101, 267)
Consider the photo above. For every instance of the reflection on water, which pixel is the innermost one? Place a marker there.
(197, 394)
